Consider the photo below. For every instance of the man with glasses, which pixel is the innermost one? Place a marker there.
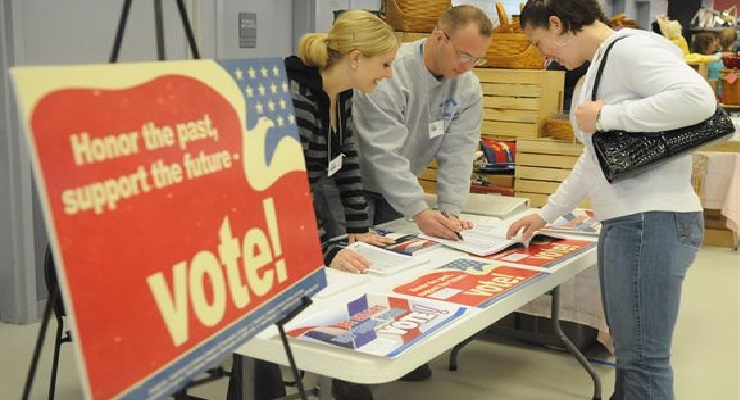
(430, 108)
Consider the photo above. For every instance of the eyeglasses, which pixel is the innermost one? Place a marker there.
(465, 57)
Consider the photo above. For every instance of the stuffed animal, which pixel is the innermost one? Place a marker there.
(671, 29)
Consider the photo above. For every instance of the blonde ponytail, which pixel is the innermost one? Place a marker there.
(313, 51)
(353, 30)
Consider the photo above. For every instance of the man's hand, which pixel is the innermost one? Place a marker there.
(371, 238)
(350, 261)
(527, 225)
(586, 115)
(434, 223)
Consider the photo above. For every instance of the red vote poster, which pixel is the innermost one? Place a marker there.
(178, 207)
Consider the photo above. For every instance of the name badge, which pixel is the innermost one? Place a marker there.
(436, 129)
(335, 165)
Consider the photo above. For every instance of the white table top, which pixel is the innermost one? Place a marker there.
(360, 368)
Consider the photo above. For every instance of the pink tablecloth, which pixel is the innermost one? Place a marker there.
(722, 186)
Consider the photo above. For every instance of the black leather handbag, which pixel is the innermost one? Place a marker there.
(622, 154)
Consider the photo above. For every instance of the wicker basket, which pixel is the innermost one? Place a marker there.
(558, 128)
(510, 47)
(415, 15)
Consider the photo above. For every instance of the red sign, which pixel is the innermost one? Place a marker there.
(469, 282)
(180, 215)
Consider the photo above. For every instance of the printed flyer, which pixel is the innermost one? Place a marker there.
(178, 210)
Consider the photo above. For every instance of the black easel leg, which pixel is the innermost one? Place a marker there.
(159, 28)
(119, 32)
(305, 302)
(188, 28)
(39, 344)
(55, 364)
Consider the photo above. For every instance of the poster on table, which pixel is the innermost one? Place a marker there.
(469, 282)
(377, 324)
(178, 208)
(544, 251)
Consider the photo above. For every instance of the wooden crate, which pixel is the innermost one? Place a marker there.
(719, 238)
(428, 177)
(730, 91)
(716, 232)
(541, 165)
(516, 102)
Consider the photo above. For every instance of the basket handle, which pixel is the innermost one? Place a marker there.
(502, 17)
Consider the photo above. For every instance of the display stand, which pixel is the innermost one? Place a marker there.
(54, 292)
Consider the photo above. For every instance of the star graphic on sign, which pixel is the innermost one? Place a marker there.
(261, 89)
(285, 86)
(265, 72)
(273, 87)
(271, 105)
(280, 120)
(239, 75)
(252, 72)
(291, 118)
(283, 104)
(248, 90)
(275, 71)
(259, 107)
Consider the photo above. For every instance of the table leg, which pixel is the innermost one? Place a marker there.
(555, 317)
(325, 385)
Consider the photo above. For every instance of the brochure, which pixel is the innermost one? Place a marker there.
(484, 240)
(385, 262)
(407, 244)
(582, 223)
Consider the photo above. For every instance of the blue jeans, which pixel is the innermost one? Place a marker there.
(643, 259)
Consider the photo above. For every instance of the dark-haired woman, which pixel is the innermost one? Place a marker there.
(652, 223)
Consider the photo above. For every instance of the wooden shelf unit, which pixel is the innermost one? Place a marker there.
(516, 102)
(541, 165)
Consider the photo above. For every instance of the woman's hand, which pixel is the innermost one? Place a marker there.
(586, 114)
(527, 225)
(371, 238)
(350, 261)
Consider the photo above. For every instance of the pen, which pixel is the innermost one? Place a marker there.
(444, 213)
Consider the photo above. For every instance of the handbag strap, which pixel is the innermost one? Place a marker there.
(600, 71)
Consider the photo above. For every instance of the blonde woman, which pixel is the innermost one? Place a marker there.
(355, 54)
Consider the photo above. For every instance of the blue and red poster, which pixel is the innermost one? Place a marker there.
(376, 324)
(179, 211)
(469, 282)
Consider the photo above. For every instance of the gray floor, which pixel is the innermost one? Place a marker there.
(706, 355)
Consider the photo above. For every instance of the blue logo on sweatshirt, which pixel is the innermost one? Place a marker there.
(447, 108)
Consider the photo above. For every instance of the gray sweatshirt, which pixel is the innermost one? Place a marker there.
(393, 130)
